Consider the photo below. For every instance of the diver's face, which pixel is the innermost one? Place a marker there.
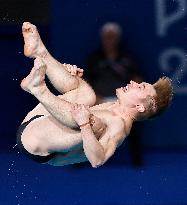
(135, 93)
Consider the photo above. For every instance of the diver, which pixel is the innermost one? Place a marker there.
(70, 128)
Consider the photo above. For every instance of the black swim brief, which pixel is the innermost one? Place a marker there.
(37, 158)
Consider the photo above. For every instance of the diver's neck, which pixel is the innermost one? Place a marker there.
(123, 112)
(102, 106)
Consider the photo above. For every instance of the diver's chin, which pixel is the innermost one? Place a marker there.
(120, 91)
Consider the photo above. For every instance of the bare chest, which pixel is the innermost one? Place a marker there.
(114, 124)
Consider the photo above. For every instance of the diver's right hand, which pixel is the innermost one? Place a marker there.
(73, 70)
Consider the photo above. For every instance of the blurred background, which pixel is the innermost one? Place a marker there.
(150, 167)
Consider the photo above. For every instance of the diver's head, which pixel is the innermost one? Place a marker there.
(146, 100)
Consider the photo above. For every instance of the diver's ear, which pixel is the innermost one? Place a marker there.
(140, 107)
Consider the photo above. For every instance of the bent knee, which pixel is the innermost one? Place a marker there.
(87, 93)
(31, 140)
(90, 98)
(30, 143)
(84, 94)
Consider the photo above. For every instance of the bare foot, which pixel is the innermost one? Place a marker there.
(33, 44)
(34, 82)
(73, 70)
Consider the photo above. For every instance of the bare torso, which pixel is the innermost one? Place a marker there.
(76, 153)
(71, 139)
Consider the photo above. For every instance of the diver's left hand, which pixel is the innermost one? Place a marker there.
(80, 113)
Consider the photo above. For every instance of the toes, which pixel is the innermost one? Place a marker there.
(38, 63)
(28, 27)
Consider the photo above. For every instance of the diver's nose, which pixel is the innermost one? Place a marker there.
(133, 83)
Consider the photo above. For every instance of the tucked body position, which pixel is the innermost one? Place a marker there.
(70, 128)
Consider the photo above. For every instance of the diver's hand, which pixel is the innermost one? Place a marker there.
(80, 113)
(73, 70)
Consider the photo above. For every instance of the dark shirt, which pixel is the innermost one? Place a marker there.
(106, 75)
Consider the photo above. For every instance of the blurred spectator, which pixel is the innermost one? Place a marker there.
(111, 67)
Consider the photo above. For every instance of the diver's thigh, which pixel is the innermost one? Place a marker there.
(55, 136)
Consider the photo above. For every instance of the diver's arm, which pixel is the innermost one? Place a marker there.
(98, 152)
(93, 149)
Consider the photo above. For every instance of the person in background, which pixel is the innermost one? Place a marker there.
(109, 67)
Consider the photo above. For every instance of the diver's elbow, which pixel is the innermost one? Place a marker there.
(97, 164)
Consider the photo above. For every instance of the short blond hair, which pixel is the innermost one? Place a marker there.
(164, 95)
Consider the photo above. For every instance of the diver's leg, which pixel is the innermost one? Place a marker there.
(64, 77)
(34, 83)
(62, 80)
(45, 135)
(74, 96)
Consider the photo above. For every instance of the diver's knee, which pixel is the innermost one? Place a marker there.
(33, 144)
